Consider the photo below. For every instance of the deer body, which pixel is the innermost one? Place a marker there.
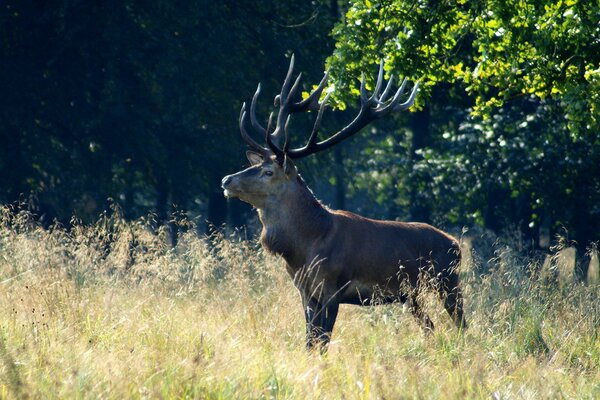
(337, 257)
(353, 254)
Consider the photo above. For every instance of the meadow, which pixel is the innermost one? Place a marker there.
(112, 310)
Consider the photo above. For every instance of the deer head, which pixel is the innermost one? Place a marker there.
(272, 172)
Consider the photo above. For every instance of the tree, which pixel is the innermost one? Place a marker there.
(512, 97)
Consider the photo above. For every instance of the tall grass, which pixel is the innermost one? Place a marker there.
(111, 310)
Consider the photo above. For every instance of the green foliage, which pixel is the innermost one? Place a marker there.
(510, 90)
(415, 39)
(497, 49)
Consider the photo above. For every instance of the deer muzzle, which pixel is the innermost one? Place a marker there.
(225, 182)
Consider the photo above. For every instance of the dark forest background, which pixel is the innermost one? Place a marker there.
(136, 104)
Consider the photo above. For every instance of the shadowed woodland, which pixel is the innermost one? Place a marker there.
(136, 105)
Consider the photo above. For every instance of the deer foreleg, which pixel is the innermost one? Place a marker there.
(320, 318)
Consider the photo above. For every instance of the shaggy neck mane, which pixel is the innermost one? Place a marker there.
(293, 220)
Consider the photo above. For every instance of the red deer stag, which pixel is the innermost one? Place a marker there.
(337, 257)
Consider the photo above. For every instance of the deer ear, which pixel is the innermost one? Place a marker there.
(254, 158)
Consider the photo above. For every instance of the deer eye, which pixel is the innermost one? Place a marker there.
(269, 173)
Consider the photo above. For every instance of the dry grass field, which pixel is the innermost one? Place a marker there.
(111, 311)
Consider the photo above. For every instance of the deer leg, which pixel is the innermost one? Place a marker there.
(453, 300)
(320, 319)
(422, 318)
(454, 306)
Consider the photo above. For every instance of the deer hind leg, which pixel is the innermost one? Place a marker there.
(451, 295)
(416, 310)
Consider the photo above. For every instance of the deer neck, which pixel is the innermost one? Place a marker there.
(292, 221)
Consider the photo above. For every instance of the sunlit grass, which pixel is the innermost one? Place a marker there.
(111, 311)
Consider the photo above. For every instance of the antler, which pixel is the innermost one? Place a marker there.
(371, 108)
(247, 138)
(286, 107)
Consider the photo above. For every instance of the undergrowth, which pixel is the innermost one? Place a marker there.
(114, 310)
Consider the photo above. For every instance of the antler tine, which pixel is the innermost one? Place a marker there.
(269, 123)
(313, 135)
(286, 143)
(364, 97)
(255, 124)
(295, 86)
(285, 107)
(249, 141)
(269, 139)
(283, 101)
(388, 88)
(395, 100)
(312, 101)
(379, 82)
(285, 88)
(411, 99)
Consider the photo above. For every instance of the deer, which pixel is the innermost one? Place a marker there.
(333, 256)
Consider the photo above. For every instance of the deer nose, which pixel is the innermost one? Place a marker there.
(226, 181)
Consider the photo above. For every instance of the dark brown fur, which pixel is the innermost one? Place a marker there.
(338, 257)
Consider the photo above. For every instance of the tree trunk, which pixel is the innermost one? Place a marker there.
(493, 205)
(583, 223)
(335, 8)
(523, 214)
(420, 126)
